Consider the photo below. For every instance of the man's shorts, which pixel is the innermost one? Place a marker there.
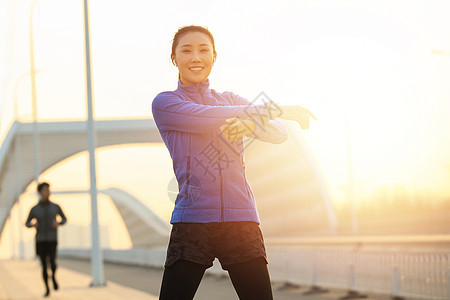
(230, 242)
(46, 248)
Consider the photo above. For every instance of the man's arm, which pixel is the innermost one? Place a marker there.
(62, 215)
(30, 217)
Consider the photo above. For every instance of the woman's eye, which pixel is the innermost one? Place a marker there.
(205, 50)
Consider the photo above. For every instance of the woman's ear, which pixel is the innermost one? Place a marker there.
(172, 58)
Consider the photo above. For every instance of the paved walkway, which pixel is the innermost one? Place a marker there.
(148, 280)
(21, 280)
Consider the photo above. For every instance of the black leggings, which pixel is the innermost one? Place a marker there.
(250, 280)
(48, 250)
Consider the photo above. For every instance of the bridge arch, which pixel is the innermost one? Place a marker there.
(58, 141)
(288, 185)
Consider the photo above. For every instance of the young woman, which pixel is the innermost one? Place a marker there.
(215, 213)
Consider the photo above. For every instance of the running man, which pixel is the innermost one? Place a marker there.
(45, 213)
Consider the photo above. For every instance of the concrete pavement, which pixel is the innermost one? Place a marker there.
(21, 280)
(148, 280)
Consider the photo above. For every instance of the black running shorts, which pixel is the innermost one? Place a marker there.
(230, 242)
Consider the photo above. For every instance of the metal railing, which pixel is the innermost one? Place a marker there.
(417, 269)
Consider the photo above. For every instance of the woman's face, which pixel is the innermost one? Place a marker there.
(194, 57)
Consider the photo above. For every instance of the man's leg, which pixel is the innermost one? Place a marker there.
(52, 254)
(251, 279)
(43, 258)
(181, 280)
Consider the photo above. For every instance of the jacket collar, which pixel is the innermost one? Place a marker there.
(43, 202)
(195, 88)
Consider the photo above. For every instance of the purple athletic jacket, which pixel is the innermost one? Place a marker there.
(210, 170)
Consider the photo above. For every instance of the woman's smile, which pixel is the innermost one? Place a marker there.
(196, 70)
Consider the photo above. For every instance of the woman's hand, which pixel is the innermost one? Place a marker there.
(235, 128)
(298, 114)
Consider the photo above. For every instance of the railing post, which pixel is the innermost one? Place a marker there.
(396, 283)
(352, 293)
(315, 289)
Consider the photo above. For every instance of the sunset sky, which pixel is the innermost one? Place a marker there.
(369, 63)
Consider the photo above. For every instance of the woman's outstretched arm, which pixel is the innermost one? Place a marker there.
(170, 112)
(274, 131)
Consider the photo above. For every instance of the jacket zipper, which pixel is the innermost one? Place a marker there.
(189, 162)
(218, 160)
(220, 176)
(188, 171)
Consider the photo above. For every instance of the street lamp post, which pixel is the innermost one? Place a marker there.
(96, 257)
(18, 173)
(34, 97)
(17, 162)
(97, 266)
(17, 195)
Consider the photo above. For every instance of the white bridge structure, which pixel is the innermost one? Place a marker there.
(58, 141)
(284, 177)
(292, 199)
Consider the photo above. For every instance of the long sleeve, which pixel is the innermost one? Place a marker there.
(170, 112)
(29, 219)
(274, 131)
(62, 215)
